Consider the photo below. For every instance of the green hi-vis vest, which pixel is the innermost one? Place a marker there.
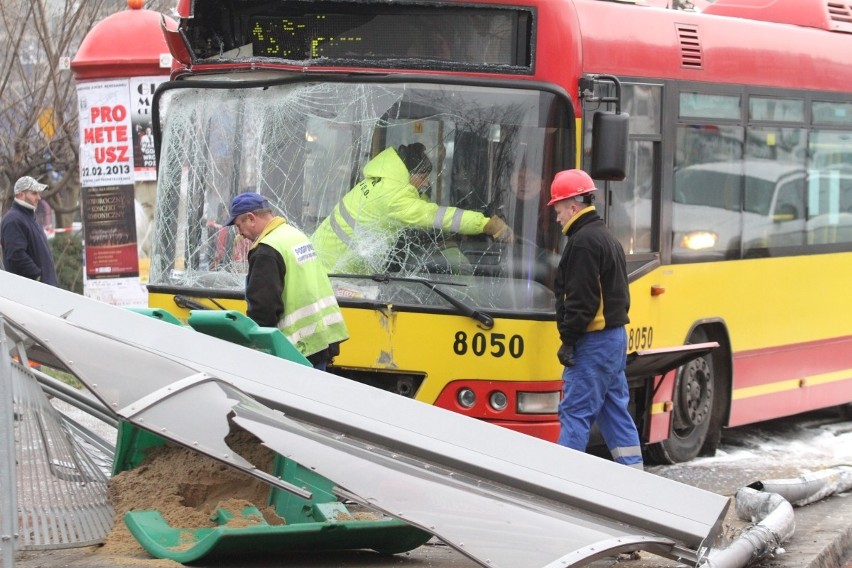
(312, 320)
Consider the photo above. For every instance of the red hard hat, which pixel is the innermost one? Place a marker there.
(570, 183)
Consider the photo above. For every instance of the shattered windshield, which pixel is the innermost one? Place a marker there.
(314, 149)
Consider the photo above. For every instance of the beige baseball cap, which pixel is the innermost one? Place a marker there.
(27, 183)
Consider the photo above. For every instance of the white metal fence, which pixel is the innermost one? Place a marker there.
(54, 494)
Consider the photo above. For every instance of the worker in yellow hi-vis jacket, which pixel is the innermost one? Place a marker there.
(358, 235)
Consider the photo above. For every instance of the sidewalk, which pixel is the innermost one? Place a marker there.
(823, 539)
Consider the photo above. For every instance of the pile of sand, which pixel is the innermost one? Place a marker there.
(186, 488)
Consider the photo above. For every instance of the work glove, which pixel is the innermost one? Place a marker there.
(566, 355)
(497, 228)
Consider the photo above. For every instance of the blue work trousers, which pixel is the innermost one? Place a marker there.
(595, 389)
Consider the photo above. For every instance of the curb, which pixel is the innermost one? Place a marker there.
(823, 537)
(838, 554)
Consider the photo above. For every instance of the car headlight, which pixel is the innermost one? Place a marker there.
(699, 240)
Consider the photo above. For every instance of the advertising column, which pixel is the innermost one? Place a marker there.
(116, 150)
(116, 80)
(106, 174)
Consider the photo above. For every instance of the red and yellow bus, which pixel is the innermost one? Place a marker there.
(722, 142)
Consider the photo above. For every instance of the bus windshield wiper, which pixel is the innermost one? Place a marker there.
(485, 320)
(189, 303)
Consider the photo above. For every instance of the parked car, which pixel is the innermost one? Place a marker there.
(754, 208)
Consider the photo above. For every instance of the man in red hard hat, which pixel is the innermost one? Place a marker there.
(592, 301)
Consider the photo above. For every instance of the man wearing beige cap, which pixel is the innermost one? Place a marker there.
(26, 251)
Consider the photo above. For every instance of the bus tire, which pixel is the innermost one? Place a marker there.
(845, 411)
(695, 390)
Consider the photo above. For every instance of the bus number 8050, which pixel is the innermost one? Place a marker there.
(497, 346)
(639, 338)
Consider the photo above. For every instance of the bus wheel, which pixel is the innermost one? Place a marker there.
(692, 412)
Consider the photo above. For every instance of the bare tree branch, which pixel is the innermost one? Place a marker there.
(38, 100)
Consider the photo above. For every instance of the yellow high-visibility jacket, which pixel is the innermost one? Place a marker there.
(311, 320)
(357, 236)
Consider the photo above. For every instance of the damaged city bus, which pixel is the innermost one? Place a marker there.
(292, 99)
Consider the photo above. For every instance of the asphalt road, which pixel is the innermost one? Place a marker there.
(781, 449)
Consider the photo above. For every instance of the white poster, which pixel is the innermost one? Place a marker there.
(106, 142)
(141, 99)
(125, 292)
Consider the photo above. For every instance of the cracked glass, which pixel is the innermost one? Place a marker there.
(304, 146)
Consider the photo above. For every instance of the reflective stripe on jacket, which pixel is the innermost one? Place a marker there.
(312, 319)
(361, 230)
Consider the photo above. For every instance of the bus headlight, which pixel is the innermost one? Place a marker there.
(699, 240)
(538, 402)
(466, 398)
(498, 400)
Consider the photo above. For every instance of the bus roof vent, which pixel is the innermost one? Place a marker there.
(831, 15)
(841, 15)
(690, 46)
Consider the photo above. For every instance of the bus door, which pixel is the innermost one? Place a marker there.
(630, 205)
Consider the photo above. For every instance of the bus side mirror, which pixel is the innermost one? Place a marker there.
(609, 146)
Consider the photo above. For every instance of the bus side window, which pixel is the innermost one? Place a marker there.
(846, 193)
(629, 206)
(830, 207)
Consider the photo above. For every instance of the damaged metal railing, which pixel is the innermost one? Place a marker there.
(769, 504)
(809, 487)
(60, 497)
(8, 496)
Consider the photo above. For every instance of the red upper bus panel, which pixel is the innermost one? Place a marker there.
(835, 15)
(772, 43)
(714, 48)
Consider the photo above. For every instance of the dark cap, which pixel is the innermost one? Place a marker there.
(246, 203)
